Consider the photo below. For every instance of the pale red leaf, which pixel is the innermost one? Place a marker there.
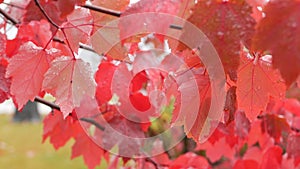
(77, 28)
(120, 132)
(293, 146)
(242, 124)
(257, 81)
(283, 20)
(27, 69)
(69, 80)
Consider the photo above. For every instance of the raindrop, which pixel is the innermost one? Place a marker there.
(220, 34)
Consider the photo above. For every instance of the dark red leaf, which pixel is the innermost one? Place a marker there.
(226, 24)
(242, 124)
(283, 20)
(275, 126)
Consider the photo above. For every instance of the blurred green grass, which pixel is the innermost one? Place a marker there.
(21, 148)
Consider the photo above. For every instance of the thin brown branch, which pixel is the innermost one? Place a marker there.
(45, 102)
(9, 18)
(148, 159)
(102, 10)
(81, 45)
(45, 14)
(54, 106)
(156, 165)
(92, 121)
(86, 47)
(178, 27)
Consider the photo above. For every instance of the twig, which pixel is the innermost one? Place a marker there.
(45, 14)
(54, 106)
(11, 19)
(81, 45)
(176, 27)
(92, 121)
(152, 161)
(86, 47)
(102, 10)
(45, 102)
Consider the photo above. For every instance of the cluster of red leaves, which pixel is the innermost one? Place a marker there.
(258, 45)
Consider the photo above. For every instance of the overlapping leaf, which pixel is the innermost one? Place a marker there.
(59, 130)
(257, 82)
(226, 24)
(27, 69)
(278, 33)
(77, 28)
(69, 80)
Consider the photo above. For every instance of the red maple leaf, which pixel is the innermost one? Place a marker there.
(59, 130)
(27, 79)
(226, 24)
(69, 80)
(85, 146)
(257, 82)
(283, 20)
